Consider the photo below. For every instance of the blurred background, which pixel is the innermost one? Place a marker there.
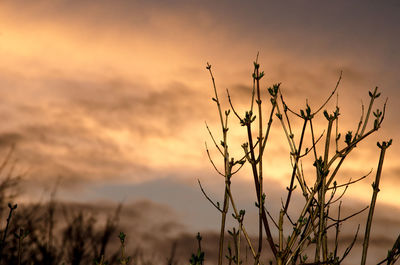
(103, 103)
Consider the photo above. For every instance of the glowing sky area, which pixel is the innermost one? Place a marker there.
(110, 97)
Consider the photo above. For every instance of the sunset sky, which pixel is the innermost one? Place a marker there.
(110, 97)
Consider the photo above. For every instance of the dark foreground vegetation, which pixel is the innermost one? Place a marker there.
(53, 232)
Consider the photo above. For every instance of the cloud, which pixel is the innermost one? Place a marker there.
(155, 227)
(89, 128)
(8, 139)
(117, 91)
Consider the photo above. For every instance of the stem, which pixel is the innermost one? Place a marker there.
(224, 127)
(260, 172)
(257, 186)
(369, 111)
(241, 225)
(3, 241)
(323, 234)
(222, 230)
(295, 167)
(375, 187)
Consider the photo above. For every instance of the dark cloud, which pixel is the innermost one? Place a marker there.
(154, 228)
(173, 107)
(345, 28)
(9, 139)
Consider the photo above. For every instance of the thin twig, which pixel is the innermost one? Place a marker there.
(347, 218)
(212, 162)
(348, 249)
(351, 182)
(233, 109)
(208, 198)
(213, 139)
(330, 96)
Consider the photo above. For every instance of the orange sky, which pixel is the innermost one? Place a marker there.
(112, 95)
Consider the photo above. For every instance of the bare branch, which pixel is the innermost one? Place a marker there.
(330, 96)
(375, 187)
(212, 162)
(208, 198)
(213, 139)
(347, 218)
(233, 109)
(351, 182)
(348, 249)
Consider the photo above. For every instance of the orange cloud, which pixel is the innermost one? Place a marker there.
(101, 91)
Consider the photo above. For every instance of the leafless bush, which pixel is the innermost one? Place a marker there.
(315, 224)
